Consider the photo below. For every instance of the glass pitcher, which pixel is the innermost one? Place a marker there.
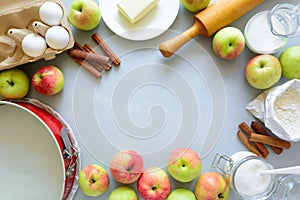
(284, 20)
(268, 31)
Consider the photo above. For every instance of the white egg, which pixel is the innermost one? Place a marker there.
(51, 13)
(57, 37)
(34, 45)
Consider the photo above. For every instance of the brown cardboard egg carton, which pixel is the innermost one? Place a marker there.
(20, 15)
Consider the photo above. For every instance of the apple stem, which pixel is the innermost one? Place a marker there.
(10, 83)
(129, 169)
(153, 188)
(220, 196)
(92, 180)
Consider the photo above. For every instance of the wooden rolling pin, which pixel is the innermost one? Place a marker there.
(207, 22)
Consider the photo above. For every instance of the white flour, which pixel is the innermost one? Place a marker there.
(287, 109)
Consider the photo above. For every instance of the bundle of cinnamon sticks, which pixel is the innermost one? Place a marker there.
(91, 60)
(256, 138)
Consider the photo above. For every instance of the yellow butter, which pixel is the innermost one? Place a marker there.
(134, 10)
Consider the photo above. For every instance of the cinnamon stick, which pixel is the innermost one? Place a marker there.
(86, 48)
(248, 144)
(258, 128)
(115, 60)
(89, 49)
(254, 137)
(97, 65)
(78, 46)
(260, 146)
(89, 56)
(86, 65)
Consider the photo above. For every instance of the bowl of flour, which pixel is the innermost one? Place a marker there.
(279, 109)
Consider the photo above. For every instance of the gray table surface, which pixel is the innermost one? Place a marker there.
(238, 93)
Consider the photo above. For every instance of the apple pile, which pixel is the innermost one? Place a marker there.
(262, 71)
(15, 83)
(154, 183)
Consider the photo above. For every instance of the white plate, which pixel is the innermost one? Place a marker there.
(32, 166)
(153, 24)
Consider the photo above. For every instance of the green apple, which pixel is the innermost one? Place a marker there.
(263, 71)
(14, 83)
(123, 193)
(84, 14)
(290, 62)
(184, 164)
(194, 5)
(93, 180)
(48, 80)
(211, 185)
(181, 193)
(228, 43)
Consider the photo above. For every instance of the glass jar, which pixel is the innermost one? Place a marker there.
(241, 170)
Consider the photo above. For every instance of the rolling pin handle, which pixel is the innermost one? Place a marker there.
(169, 47)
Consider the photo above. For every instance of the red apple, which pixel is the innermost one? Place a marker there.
(126, 166)
(184, 164)
(211, 185)
(228, 43)
(48, 80)
(154, 184)
(263, 71)
(93, 180)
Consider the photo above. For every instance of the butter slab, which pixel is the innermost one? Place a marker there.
(134, 10)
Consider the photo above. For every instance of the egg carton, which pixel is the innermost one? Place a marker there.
(21, 18)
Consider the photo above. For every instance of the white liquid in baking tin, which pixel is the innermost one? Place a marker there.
(259, 37)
